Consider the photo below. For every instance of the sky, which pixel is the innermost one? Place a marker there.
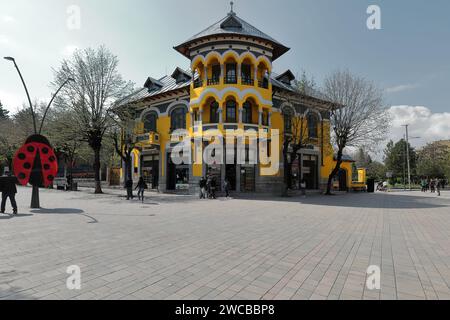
(409, 57)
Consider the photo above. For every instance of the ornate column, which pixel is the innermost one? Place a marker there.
(205, 77)
(260, 117)
(240, 114)
(222, 74)
(191, 113)
(255, 76)
(270, 119)
(220, 115)
(239, 75)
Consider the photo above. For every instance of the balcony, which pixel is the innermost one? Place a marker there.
(198, 83)
(214, 81)
(230, 80)
(247, 81)
(263, 84)
(151, 138)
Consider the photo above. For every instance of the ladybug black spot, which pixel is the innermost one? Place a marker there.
(22, 176)
(30, 149)
(51, 178)
(21, 156)
(46, 167)
(27, 165)
(52, 159)
(44, 150)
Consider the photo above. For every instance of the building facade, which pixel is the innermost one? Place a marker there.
(230, 85)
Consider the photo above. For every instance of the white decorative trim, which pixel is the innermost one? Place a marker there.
(177, 104)
(287, 105)
(221, 94)
(148, 110)
(308, 111)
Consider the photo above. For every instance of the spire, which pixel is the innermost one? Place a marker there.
(231, 11)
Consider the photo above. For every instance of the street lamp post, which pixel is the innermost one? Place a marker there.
(35, 203)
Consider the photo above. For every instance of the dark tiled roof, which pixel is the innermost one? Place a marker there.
(233, 25)
(168, 84)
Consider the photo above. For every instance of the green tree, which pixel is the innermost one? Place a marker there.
(395, 159)
(433, 160)
(4, 114)
(376, 170)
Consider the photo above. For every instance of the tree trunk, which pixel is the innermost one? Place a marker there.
(98, 185)
(127, 170)
(335, 171)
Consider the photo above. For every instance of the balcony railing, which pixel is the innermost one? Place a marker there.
(151, 138)
(214, 81)
(248, 81)
(198, 83)
(230, 80)
(263, 84)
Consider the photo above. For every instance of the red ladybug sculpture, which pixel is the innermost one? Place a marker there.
(35, 162)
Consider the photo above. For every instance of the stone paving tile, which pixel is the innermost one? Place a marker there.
(264, 248)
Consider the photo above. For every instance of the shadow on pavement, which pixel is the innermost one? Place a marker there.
(363, 200)
(12, 216)
(65, 211)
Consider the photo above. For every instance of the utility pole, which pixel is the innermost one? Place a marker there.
(407, 156)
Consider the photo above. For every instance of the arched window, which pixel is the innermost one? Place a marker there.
(150, 120)
(287, 115)
(231, 111)
(178, 119)
(312, 126)
(214, 112)
(247, 112)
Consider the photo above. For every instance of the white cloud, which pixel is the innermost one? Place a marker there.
(400, 88)
(68, 50)
(423, 123)
(8, 19)
(11, 101)
(4, 39)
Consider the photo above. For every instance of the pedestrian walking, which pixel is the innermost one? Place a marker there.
(9, 190)
(129, 187)
(226, 187)
(438, 187)
(202, 185)
(141, 186)
(212, 188)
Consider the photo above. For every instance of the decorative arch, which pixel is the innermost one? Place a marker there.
(220, 94)
(178, 104)
(314, 111)
(248, 55)
(213, 55)
(196, 62)
(149, 110)
(287, 106)
(265, 61)
(230, 53)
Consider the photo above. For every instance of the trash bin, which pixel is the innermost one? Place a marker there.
(371, 185)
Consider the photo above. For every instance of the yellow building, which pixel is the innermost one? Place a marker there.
(230, 85)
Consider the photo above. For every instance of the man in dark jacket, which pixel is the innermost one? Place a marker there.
(129, 186)
(9, 190)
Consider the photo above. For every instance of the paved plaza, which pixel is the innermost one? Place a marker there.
(180, 247)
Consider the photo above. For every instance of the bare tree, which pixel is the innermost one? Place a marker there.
(361, 119)
(295, 138)
(97, 85)
(123, 136)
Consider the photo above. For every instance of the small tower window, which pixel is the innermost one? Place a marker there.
(214, 112)
(150, 122)
(312, 126)
(231, 74)
(178, 119)
(247, 112)
(231, 111)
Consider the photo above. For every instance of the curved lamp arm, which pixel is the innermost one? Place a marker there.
(26, 91)
(51, 101)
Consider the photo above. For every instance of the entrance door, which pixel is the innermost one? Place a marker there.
(310, 171)
(150, 171)
(343, 180)
(171, 175)
(248, 179)
(216, 172)
(231, 176)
